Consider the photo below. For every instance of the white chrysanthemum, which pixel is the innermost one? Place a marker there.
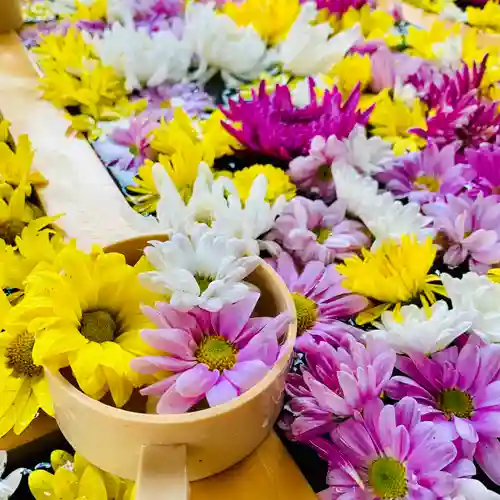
(472, 489)
(366, 155)
(141, 58)
(9, 485)
(452, 12)
(416, 329)
(479, 298)
(405, 92)
(309, 48)
(449, 52)
(220, 44)
(250, 220)
(205, 269)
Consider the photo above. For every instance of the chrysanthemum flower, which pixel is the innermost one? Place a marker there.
(390, 452)
(90, 319)
(485, 162)
(143, 193)
(486, 17)
(423, 330)
(271, 125)
(340, 7)
(215, 137)
(24, 386)
(278, 182)
(213, 355)
(354, 69)
(75, 478)
(205, 270)
(337, 381)
(457, 389)
(9, 484)
(320, 300)
(471, 230)
(272, 19)
(427, 175)
(393, 274)
(311, 230)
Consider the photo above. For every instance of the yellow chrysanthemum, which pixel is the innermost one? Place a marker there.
(392, 119)
(486, 18)
(376, 24)
(88, 317)
(95, 11)
(143, 194)
(4, 130)
(37, 11)
(15, 167)
(350, 71)
(434, 6)
(396, 273)
(23, 385)
(215, 137)
(75, 478)
(272, 19)
(278, 182)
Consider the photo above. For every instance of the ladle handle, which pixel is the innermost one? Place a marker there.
(162, 473)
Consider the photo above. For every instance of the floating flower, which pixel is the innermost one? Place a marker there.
(278, 182)
(338, 8)
(470, 228)
(310, 230)
(395, 273)
(486, 17)
(339, 381)
(8, 485)
(401, 455)
(272, 19)
(143, 193)
(485, 162)
(478, 297)
(354, 69)
(471, 489)
(427, 175)
(320, 300)
(423, 330)
(310, 48)
(221, 45)
(215, 137)
(458, 391)
(205, 270)
(271, 125)
(213, 355)
(75, 478)
(142, 58)
(90, 320)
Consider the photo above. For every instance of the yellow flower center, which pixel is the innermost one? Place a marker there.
(427, 183)
(217, 353)
(307, 312)
(387, 478)
(98, 326)
(324, 173)
(19, 356)
(322, 234)
(455, 402)
(10, 230)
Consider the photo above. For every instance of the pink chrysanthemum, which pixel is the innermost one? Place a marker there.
(311, 230)
(485, 161)
(458, 390)
(320, 299)
(389, 452)
(270, 124)
(216, 356)
(471, 229)
(337, 382)
(427, 175)
(340, 7)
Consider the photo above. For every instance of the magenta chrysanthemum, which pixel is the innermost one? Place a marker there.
(471, 229)
(390, 453)
(339, 7)
(427, 175)
(337, 382)
(320, 299)
(458, 390)
(311, 230)
(485, 161)
(270, 125)
(213, 355)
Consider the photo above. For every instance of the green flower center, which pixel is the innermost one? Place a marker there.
(387, 478)
(455, 402)
(427, 182)
(322, 234)
(217, 353)
(98, 326)
(307, 312)
(19, 356)
(10, 230)
(203, 282)
(324, 173)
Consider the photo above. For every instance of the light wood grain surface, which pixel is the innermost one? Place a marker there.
(78, 179)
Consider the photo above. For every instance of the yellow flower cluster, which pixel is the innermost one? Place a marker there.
(74, 478)
(74, 78)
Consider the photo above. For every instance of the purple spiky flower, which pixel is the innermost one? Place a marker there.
(340, 7)
(485, 161)
(271, 125)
